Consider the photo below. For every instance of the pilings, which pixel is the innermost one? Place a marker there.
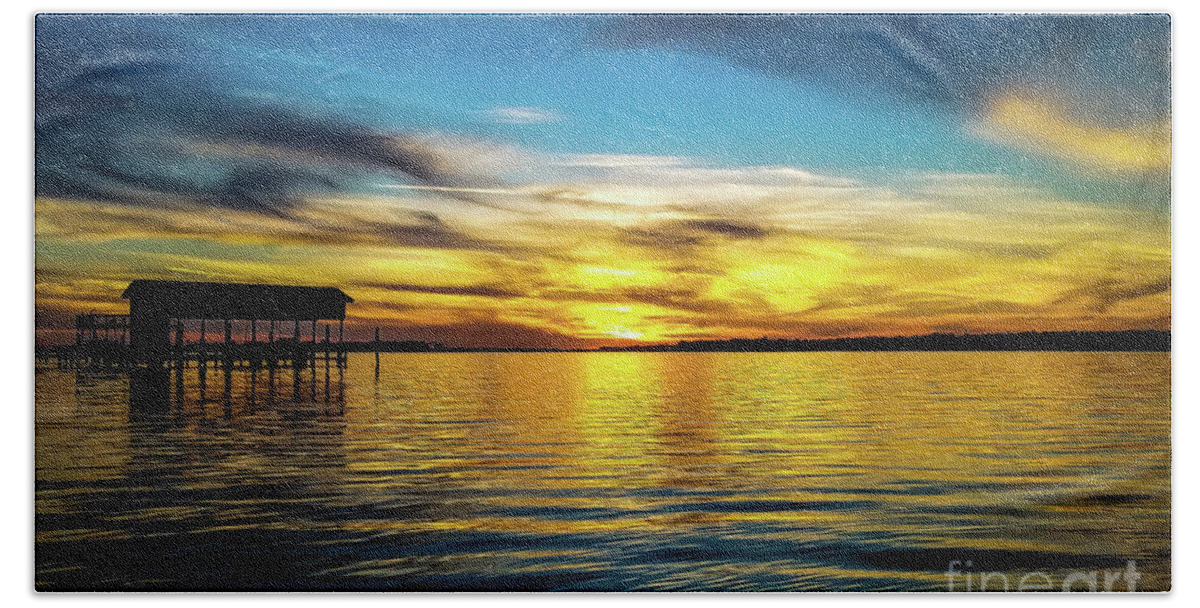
(101, 341)
(241, 354)
(297, 351)
(238, 346)
(156, 392)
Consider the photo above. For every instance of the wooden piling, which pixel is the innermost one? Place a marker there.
(312, 363)
(228, 355)
(254, 355)
(296, 347)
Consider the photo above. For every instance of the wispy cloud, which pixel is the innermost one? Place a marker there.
(1111, 67)
(1040, 126)
(524, 115)
(148, 133)
(1108, 75)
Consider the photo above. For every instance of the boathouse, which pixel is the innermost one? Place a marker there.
(156, 308)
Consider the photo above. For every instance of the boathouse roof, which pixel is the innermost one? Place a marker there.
(199, 300)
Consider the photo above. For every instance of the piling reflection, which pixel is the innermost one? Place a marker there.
(149, 392)
(182, 390)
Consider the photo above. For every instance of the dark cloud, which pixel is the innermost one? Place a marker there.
(768, 325)
(332, 141)
(321, 225)
(1112, 67)
(733, 230)
(658, 238)
(920, 306)
(488, 334)
(1098, 296)
(423, 229)
(685, 299)
(266, 187)
(686, 234)
(1102, 295)
(689, 297)
(846, 296)
(131, 122)
(1008, 250)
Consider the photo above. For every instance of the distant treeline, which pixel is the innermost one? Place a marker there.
(1134, 340)
(393, 346)
(414, 346)
(1131, 341)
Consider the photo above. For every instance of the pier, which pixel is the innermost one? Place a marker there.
(226, 325)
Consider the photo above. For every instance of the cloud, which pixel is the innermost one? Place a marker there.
(611, 186)
(729, 229)
(523, 115)
(147, 132)
(1113, 68)
(484, 291)
(1104, 294)
(690, 300)
(1041, 126)
(684, 234)
(423, 230)
(615, 161)
(342, 224)
(488, 333)
(1094, 90)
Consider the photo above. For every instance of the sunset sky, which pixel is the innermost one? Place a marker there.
(578, 181)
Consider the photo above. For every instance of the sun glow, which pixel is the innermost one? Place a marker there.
(935, 260)
(623, 333)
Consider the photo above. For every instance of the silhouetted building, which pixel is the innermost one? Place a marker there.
(157, 307)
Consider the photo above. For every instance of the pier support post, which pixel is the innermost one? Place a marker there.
(312, 363)
(227, 354)
(202, 350)
(296, 349)
(255, 358)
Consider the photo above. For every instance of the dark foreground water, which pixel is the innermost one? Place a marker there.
(611, 471)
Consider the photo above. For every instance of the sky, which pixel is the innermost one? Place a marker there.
(591, 180)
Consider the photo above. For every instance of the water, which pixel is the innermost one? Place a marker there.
(609, 471)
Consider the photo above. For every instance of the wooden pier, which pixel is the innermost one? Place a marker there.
(175, 324)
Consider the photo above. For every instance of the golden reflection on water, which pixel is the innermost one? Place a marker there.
(619, 470)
